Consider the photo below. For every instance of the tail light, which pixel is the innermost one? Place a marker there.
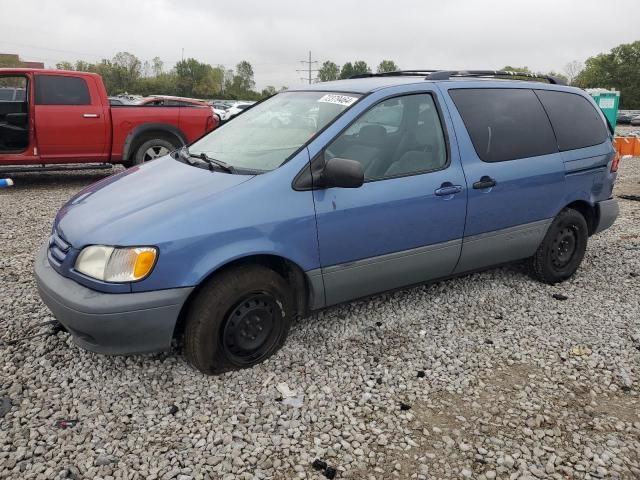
(615, 163)
(211, 123)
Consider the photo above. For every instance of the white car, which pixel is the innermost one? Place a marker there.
(237, 108)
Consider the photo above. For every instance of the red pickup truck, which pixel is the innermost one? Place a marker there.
(55, 117)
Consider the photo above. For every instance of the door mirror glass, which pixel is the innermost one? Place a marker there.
(342, 173)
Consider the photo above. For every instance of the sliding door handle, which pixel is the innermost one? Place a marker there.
(484, 182)
(91, 115)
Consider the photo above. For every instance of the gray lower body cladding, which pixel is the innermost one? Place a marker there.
(501, 246)
(111, 323)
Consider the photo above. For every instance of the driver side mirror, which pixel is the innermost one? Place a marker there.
(342, 173)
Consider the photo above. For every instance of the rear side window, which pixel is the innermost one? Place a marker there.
(505, 123)
(59, 90)
(576, 122)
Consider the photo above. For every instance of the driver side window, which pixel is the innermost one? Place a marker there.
(397, 137)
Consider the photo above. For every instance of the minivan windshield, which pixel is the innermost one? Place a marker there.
(264, 136)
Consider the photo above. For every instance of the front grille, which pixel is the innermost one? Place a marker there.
(58, 248)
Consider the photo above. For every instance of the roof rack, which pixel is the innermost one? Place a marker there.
(448, 74)
(396, 73)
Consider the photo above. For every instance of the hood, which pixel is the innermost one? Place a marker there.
(109, 211)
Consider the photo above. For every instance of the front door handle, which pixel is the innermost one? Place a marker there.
(448, 188)
(91, 115)
(484, 182)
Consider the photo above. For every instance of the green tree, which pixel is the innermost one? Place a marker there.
(10, 61)
(346, 71)
(196, 79)
(157, 66)
(360, 68)
(64, 66)
(387, 66)
(244, 70)
(509, 68)
(328, 71)
(268, 91)
(619, 69)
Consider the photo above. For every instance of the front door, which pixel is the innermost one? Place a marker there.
(70, 120)
(404, 225)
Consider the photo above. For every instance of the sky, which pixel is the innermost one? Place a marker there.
(275, 35)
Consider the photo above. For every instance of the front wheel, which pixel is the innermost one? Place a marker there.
(240, 318)
(563, 248)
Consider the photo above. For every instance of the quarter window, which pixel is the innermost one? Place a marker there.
(505, 124)
(575, 121)
(397, 137)
(59, 90)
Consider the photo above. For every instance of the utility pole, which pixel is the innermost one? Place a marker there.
(309, 70)
(183, 54)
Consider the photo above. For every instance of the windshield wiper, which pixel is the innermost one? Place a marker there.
(211, 162)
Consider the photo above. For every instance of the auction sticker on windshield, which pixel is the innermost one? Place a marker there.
(338, 99)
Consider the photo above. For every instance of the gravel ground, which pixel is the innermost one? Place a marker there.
(487, 376)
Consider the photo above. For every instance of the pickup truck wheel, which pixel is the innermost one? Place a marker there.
(239, 319)
(152, 149)
(563, 248)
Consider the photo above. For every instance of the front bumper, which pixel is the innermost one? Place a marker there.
(111, 323)
(607, 213)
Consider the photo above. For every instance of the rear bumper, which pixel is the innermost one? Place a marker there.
(607, 213)
(110, 323)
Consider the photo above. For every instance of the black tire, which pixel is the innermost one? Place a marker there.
(240, 318)
(562, 250)
(161, 147)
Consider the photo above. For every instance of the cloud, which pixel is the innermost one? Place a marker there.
(275, 35)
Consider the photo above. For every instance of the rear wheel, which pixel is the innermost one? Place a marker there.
(239, 319)
(563, 248)
(150, 150)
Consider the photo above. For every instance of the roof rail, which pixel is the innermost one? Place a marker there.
(396, 73)
(446, 75)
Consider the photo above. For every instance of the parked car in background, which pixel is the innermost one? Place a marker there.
(623, 118)
(67, 118)
(238, 108)
(635, 121)
(397, 181)
(220, 109)
(114, 101)
(12, 94)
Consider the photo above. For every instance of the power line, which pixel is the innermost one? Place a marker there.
(309, 70)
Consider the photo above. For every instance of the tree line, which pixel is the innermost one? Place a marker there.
(618, 69)
(332, 71)
(188, 78)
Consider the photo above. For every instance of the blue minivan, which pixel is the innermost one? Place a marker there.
(325, 194)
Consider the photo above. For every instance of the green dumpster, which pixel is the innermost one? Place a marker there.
(608, 102)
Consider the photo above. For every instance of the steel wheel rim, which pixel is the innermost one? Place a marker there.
(154, 152)
(564, 247)
(250, 330)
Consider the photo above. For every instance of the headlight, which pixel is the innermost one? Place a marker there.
(114, 264)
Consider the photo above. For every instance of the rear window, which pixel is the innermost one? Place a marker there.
(575, 120)
(59, 90)
(505, 123)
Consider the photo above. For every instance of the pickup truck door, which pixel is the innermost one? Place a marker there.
(70, 120)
